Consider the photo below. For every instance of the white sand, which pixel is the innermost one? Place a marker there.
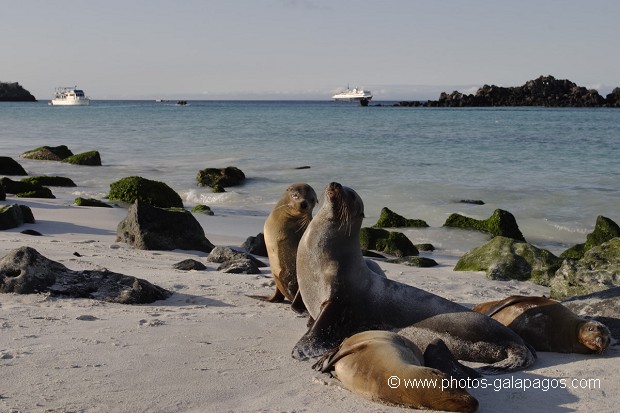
(209, 347)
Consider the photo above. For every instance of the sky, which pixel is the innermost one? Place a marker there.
(304, 49)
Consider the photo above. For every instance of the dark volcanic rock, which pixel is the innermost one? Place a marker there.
(14, 92)
(256, 245)
(49, 181)
(603, 306)
(48, 153)
(189, 265)
(25, 271)
(390, 219)
(145, 190)
(13, 216)
(92, 158)
(9, 166)
(224, 254)
(220, 177)
(388, 242)
(421, 262)
(91, 202)
(25, 189)
(150, 228)
(501, 223)
(613, 99)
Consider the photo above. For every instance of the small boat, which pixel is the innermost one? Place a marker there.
(69, 96)
(182, 103)
(353, 95)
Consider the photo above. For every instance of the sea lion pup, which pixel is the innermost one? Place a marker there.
(382, 366)
(344, 296)
(282, 230)
(547, 325)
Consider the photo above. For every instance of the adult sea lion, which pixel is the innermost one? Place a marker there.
(383, 366)
(344, 296)
(282, 230)
(547, 325)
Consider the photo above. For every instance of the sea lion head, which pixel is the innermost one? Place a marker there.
(300, 198)
(594, 335)
(344, 206)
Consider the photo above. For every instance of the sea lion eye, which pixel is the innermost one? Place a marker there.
(590, 328)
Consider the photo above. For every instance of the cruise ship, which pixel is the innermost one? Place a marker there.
(353, 95)
(69, 96)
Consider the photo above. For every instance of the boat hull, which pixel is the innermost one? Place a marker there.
(80, 102)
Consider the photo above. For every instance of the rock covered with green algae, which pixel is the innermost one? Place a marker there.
(390, 219)
(13, 216)
(91, 202)
(604, 230)
(49, 181)
(25, 189)
(91, 158)
(598, 270)
(501, 223)
(154, 193)
(504, 258)
(48, 153)
(203, 209)
(389, 242)
(219, 178)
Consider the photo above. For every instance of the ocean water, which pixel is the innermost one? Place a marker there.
(556, 170)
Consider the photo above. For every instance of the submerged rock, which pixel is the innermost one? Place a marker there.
(505, 258)
(150, 228)
(598, 270)
(604, 230)
(501, 223)
(92, 158)
(25, 271)
(388, 242)
(154, 193)
(390, 219)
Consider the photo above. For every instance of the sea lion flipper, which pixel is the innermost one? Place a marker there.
(323, 335)
(277, 297)
(438, 356)
(298, 304)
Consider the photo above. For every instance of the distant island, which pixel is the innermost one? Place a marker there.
(545, 91)
(14, 92)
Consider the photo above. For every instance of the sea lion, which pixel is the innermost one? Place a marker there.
(382, 366)
(344, 296)
(548, 325)
(282, 230)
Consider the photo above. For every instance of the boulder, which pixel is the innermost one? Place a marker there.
(48, 153)
(154, 193)
(40, 181)
(189, 265)
(13, 216)
(256, 245)
(92, 158)
(504, 258)
(25, 271)
(2, 193)
(91, 202)
(602, 306)
(425, 247)
(598, 270)
(604, 230)
(390, 219)
(202, 209)
(501, 223)
(9, 166)
(150, 228)
(220, 177)
(225, 254)
(25, 189)
(389, 242)
(421, 262)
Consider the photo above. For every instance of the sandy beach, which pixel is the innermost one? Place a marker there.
(210, 347)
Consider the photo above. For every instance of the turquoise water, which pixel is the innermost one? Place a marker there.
(556, 170)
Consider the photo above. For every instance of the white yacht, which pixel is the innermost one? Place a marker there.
(69, 96)
(353, 95)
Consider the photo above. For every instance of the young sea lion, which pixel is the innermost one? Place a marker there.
(547, 325)
(344, 296)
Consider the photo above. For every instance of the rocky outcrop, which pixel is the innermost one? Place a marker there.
(146, 191)
(390, 219)
(235, 262)
(505, 258)
(218, 178)
(25, 271)
(544, 91)
(14, 92)
(500, 224)
(604, 230)
(389, 242)
(598, 270)
(9, 166)
(91, 158)
(48, 153)
(150, 228)
(13, 216)
(603, 306)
